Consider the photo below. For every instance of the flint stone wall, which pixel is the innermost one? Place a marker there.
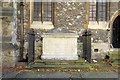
(71, 15)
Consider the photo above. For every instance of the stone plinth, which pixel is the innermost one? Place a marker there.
(60, 46)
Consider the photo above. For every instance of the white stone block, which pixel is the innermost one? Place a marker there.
(60, 46)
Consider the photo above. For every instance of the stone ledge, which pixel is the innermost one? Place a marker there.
(42, 26)
(59, 57)
(63, 35)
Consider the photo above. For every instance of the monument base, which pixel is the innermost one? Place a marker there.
(59, 57)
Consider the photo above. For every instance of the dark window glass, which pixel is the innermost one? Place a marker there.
(92, 11)
(37, 11)
(47, 11)
(46, 8)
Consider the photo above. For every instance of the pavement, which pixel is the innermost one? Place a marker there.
(34, 75)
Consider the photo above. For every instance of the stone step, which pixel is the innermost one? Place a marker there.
(115, 52)
(115, 62)
(63, 62)
(114, 56)
(21, 63)
(39, 66)
(59, 64)
(114, 48)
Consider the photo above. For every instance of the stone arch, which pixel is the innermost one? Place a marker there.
(113, 18)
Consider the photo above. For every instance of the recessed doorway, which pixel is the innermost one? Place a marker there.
(116, 32)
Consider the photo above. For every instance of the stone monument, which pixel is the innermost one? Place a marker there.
(59, 44)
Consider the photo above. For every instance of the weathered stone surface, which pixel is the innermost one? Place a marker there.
(99, 75)
(9, 75)
(60, 48)
(9, 51)
(99, 36)
(114, 6)
(7, 26)
(101, 25)
(38, 51)
(6, 39)
(6, 4)
(9, 55)
(70, 15)
(7, 46)
(0, 4)
(102, 50)
(80, 49)
(44, 25)
(60, 31)
(60, 35)
(60, 75)
(9, 61)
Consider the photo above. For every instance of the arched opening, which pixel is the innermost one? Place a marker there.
(116, 32)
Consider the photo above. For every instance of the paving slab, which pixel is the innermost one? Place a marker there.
(34, 74)
(63, 75)
(76, 75)
(9, 75)
(59, 75)
(99, 75)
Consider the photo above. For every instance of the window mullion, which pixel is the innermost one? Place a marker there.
(97, 12)
(92, 12)
(52, 10)
(47, 11)
(42, 12)
(102, 10)
(54, 15)
(106, 11)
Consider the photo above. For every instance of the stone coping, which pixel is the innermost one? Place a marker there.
(62, 35)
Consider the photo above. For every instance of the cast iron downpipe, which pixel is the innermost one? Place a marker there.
(22, 32)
